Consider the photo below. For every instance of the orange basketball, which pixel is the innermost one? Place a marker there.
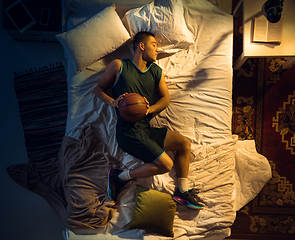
(132, 107)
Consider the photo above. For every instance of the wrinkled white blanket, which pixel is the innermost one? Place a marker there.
(226, 173)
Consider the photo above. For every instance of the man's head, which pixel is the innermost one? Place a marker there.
(147, 44)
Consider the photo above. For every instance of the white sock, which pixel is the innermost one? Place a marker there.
(125, 175)
(182, 184)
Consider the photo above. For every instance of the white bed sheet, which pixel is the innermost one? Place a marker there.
(227, 173)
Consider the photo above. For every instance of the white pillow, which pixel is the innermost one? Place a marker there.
(165, 19)
(93, 39)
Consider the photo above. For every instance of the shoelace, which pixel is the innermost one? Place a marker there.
(189, 197)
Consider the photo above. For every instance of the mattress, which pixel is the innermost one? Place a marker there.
(225, 172)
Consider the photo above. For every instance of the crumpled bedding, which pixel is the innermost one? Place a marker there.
(83, 166)
(200, 86)
(75, 182)
(199, 80)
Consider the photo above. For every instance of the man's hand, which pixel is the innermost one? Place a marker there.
(148, 111)
(116, 102)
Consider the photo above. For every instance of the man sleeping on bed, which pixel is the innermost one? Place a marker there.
(141, 75)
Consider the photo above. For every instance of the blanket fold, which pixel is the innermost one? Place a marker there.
(74, 183)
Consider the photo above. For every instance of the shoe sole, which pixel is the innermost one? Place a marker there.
(186, 203)
(110, 174)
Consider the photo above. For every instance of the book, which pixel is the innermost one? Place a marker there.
(265, 31)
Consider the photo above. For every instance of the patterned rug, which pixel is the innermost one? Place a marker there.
(264, 110)
(42, 98)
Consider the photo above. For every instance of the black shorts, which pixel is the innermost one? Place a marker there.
(143, 143)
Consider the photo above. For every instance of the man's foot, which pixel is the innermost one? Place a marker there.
(186, 199)
(116, 184)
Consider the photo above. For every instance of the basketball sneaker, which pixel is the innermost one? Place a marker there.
(185, 198)
(115, 184)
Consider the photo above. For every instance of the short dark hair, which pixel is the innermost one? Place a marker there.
(141, 37)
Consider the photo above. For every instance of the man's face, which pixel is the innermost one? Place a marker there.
(151, 50)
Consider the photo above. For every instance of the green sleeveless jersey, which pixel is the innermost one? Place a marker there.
(132, 80)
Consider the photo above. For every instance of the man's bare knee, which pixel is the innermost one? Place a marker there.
(165, 163)
(168, 167)
(186, 144)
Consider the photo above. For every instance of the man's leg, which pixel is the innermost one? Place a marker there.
(118, 178)
(182, 145)
(173, 142)
(161, 166)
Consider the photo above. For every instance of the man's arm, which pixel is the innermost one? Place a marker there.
(107, 81)
(164, 97)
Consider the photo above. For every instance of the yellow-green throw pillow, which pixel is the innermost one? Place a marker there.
(153, 211)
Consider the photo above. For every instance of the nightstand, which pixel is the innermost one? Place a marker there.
(39, 31)
(245, 48)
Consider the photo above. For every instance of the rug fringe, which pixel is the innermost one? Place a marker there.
(32, 70)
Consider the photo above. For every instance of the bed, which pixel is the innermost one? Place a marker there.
(195, 40)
